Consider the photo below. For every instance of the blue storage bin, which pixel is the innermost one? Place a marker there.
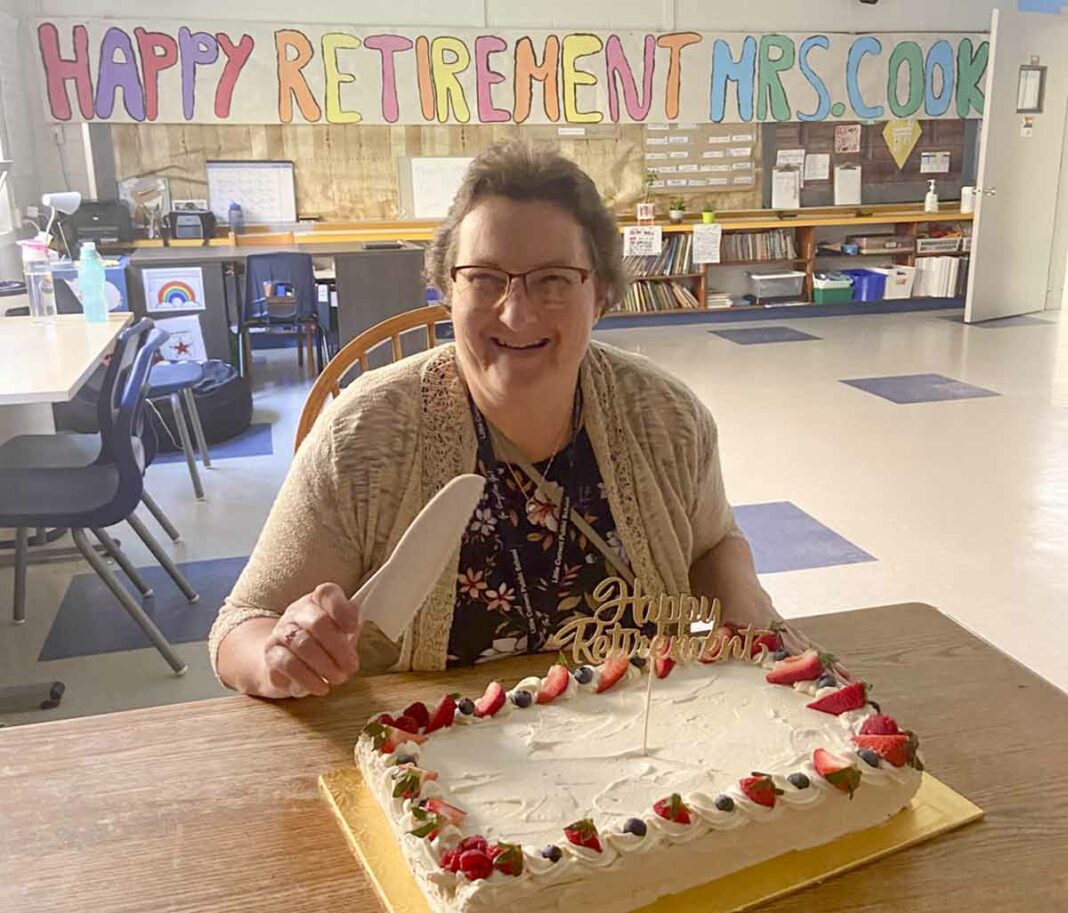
(868, 285)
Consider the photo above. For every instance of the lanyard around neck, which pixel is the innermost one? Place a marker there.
(510, 537)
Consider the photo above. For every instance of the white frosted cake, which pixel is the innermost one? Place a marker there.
(539, 798)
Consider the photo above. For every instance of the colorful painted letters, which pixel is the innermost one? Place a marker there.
(257, 73)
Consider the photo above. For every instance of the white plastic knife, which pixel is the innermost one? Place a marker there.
(393, 594)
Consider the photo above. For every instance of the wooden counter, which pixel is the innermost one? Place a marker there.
(213, 805)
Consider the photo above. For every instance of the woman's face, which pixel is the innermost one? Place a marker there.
(529, 342)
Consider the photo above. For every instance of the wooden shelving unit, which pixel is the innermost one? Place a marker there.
(904, 221)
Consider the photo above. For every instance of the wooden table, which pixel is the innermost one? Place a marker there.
(41, 364)
(213, 805)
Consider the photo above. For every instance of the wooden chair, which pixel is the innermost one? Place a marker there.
(328, 384)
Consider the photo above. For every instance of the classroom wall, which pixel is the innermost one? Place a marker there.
(782, 15)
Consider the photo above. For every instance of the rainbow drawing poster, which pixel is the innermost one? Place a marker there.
(174, 289)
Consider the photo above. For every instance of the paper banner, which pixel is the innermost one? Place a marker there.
(901, 137)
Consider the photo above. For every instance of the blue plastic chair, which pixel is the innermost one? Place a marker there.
(177, 379)
(70, 450)
(98, 496)
(297, 309)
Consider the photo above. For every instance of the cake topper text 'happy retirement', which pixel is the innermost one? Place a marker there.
(592, 639)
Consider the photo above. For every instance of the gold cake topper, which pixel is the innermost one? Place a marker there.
(594, 638)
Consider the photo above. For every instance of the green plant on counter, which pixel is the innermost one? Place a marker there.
(678, 204)
(650, 178)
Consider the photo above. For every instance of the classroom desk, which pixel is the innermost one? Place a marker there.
(41, 364)
(214, 806)
(371, 284)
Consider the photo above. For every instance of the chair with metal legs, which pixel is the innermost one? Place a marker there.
(98, 496)
(68, 449)
(176, 379)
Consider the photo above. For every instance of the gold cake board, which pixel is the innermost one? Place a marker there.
(934, 810)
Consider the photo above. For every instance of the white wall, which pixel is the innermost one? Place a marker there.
(772, 15)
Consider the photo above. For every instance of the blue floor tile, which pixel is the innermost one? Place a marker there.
(918, 388)
(90, 621)
(1019, 320)
(752, 336)
(256, 440)
(785, 538)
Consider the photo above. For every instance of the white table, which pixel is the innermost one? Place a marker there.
(41, 364)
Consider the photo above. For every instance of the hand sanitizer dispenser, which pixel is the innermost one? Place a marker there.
(930, 202)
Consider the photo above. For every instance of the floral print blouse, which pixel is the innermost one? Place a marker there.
(489, 621)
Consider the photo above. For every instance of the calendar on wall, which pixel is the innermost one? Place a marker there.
(265, 191)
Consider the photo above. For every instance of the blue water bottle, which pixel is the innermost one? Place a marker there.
(91, 281)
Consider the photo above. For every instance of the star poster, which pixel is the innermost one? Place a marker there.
(186, 342)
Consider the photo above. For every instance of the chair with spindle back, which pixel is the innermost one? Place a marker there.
(328, 384)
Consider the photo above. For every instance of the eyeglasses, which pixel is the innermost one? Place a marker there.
(550, 287)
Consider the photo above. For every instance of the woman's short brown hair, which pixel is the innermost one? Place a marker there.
(518, 171)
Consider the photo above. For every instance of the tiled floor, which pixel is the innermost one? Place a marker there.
(850, 501)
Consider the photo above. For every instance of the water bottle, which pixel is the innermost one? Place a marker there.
(39, 286)
(91, 281)
(237, 218)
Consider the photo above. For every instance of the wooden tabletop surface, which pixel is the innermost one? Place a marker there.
(213, 805)
(47, 363)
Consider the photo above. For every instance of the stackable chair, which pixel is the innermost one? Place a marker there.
(70, 450)
(99, 495)
(177, 379)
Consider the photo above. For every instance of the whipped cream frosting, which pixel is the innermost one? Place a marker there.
(524, 774)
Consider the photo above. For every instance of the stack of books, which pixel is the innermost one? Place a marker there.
(676, 258)
(777, 244)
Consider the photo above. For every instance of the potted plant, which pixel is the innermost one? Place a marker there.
(708, 214)
(646, 209)
(677, 210)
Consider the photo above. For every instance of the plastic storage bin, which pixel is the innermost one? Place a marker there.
(832, 288)
(868, 285)
(899, 281)
(937, 245)
(783, 284)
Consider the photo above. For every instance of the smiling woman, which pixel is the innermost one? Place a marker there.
(598, 464)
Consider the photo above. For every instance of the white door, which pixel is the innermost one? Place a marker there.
(1015, 209)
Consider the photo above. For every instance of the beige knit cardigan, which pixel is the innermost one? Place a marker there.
(396, 435)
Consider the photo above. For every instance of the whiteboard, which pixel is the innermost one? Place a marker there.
(265, 190)
(435, 181)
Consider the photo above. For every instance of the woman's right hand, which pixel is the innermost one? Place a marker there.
(313, 645)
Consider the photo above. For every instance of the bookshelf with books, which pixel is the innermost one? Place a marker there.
(672, 283)
(666, 283)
